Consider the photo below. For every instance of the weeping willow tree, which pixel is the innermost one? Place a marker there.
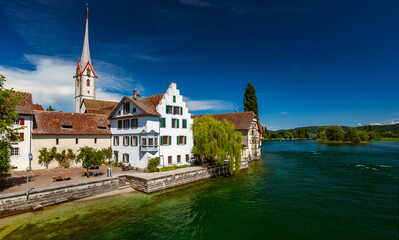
(215, 141)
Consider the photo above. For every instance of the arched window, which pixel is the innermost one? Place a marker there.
(88, 82)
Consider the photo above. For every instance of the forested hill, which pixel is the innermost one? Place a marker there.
(313, 129)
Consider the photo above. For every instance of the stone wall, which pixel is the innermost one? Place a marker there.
(18, 202)
(149, 184)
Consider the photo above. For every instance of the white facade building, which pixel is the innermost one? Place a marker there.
(156, 126)
(85, 78)
(20, 149)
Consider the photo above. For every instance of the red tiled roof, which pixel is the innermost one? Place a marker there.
(25, 105)
(241, 120)
(62, 123)
(37, 107)
(148, 104)
(99, 106)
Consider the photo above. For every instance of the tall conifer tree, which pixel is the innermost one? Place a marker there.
(250, 100)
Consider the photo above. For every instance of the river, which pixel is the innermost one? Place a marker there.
(298, 190)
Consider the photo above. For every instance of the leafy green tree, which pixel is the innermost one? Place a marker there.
(215, 141)
(372, 135)
(266, 133)
(50, 109)
(65, 158)
(107, 153)
(250, 100)
(88, 156)
(8, 103)
(364, 136)
(308, 133)
(334, 133)
(45, 156)
(368, 128)
(301, 133)
(352, 136)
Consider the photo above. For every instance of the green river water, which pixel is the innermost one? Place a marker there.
(299, 190)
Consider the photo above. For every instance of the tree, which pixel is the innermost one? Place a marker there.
(50, 109)
(88, 156)
(8, 103)
(308, 133)
(250, 100)
(215, 141)
(107, 153)
(64, 158)
(301, 133)
(352, 136)
(45, 156)
(321, 133)
(364, 136)
(334, 133)
(266, 133)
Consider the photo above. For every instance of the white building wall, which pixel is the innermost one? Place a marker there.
(65, 142)
(21, 161)
(174, 149)
(137, 157)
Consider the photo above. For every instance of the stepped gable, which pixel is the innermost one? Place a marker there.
(25, 104)
(63, 123)
(241, 120)
(37, 107)
(98, 106)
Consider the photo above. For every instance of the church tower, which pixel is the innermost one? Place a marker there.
(85, 78)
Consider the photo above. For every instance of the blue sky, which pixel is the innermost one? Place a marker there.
(311, 62)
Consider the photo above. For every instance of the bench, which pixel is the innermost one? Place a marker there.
(61, 177)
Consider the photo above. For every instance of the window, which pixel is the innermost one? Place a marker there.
(175, 123)
(95, 140)
(119, 124)
(163, 122)
(178, 159)
(169, 109)
(88, 82)
(134, 123)
(116, 140)
(14, 151)
(19, 121)
(181, 140)
(116, 155)
(126, 124)
(134, 141)
(150, 142)
(184, 123)
(187, 158)
(144, 142)
(134, 110)
(88, 72)
(170, 159)
(174, 98)
(166, 140)
(16, 121)
(76, 140)
(57, 141)
(177, 110)
(125, 157)
(126, 107)
(21, 137)
(125, 140)
(156, 141)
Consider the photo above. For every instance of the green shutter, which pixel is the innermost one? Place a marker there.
(177, 120)
(174, 98)
(170, 140)
(184, 123)
(167, 109)
(181, 111)
(163, 122)
(177, 140)
(185, 139)
(174, 110)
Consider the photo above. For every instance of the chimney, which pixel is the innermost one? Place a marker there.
(236, 111)
(136, 95)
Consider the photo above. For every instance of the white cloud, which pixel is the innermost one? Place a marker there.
(284, 113)
(391, 122)
(359, 124)
(51, 82)
(200, 105)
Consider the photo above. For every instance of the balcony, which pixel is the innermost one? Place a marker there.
(149, 148)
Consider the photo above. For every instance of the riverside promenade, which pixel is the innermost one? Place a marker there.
(51, 193)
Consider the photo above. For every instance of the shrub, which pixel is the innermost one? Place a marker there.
(152, 164)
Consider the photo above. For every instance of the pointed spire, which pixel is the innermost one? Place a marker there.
(85, 59)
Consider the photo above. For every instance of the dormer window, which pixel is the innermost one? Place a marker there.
(134, 110)
(88, 72)
(88, 82)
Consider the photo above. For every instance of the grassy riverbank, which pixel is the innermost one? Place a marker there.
(327, 141)
(387, 139)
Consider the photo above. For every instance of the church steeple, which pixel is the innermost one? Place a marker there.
(85, 84)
